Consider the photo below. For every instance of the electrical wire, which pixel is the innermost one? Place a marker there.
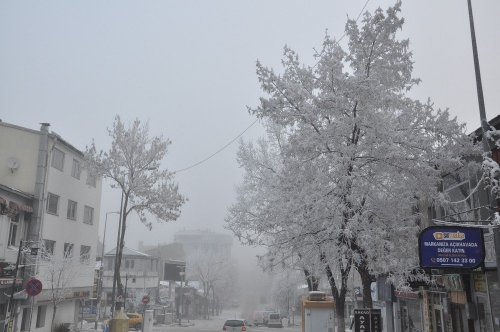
(357, 18)
(251, 125)
(218, 151)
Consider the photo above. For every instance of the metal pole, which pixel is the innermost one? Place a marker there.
(181, 297)
(113, 294)
(10, 304)
(484, 125)
(100, 286)
(125, 295)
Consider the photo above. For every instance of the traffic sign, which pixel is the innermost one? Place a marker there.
(145, 299)
(33, 287)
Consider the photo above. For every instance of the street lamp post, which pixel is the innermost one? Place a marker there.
(484, 125)
(101, 269)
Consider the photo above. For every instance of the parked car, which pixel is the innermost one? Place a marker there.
(236, 324)
(135, 320)
(274, 320)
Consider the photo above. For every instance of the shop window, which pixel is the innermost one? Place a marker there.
(25, 319)
(40, 316)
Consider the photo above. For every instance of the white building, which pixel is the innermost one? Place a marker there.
(138, 272)
(46, 171)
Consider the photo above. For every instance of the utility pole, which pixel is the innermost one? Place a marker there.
(484, 125)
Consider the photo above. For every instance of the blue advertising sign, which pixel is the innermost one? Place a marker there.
(451, 247)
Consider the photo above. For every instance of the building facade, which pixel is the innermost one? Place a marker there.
(58, 206)
(139, 275)
(458, 300)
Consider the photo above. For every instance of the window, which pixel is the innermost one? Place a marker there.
(14, 225)
(71, 210)
(52, 203)
(129, 264)
(76, 170)
(40, 316)
(58, 159)
(88, 215)
(84, 254)
(49, 246)
(110, 264)
(68, 250)
(91, 180)
(25, 319)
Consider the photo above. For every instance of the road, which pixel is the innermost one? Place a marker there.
(215, 324)
(209, 326)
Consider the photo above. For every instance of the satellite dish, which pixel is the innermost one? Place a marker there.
(13, 164)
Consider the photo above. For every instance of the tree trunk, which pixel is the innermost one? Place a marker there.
(340, 314)
(52, 325)
(338, 293)
(312, 281)
(119, 283)
(366, 281)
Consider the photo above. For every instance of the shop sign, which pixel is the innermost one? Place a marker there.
(450, 247)
(406, 295)
(9, 281)
(479, 283)
(367, 320)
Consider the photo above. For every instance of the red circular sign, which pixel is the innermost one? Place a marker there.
(145, 299)
(33, 287)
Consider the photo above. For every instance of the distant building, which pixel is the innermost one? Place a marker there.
(138, 271)
(205, 241)
(49, 200)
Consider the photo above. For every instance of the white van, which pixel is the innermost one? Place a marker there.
(274, 320)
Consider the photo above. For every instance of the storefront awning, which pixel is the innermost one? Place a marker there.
(26, 208)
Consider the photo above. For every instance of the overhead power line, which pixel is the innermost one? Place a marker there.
(251, 125)
(216, 152)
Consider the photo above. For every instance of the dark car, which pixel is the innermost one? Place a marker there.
(236, 324)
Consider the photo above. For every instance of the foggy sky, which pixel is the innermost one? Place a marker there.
(188, 67)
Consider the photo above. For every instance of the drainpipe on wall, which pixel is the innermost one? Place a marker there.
(41, 171)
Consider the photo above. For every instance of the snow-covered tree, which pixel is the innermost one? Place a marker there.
(491, 168)
(212, 270)
(132, 164)
(57, 273)
(285, 289)
(348, 158)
